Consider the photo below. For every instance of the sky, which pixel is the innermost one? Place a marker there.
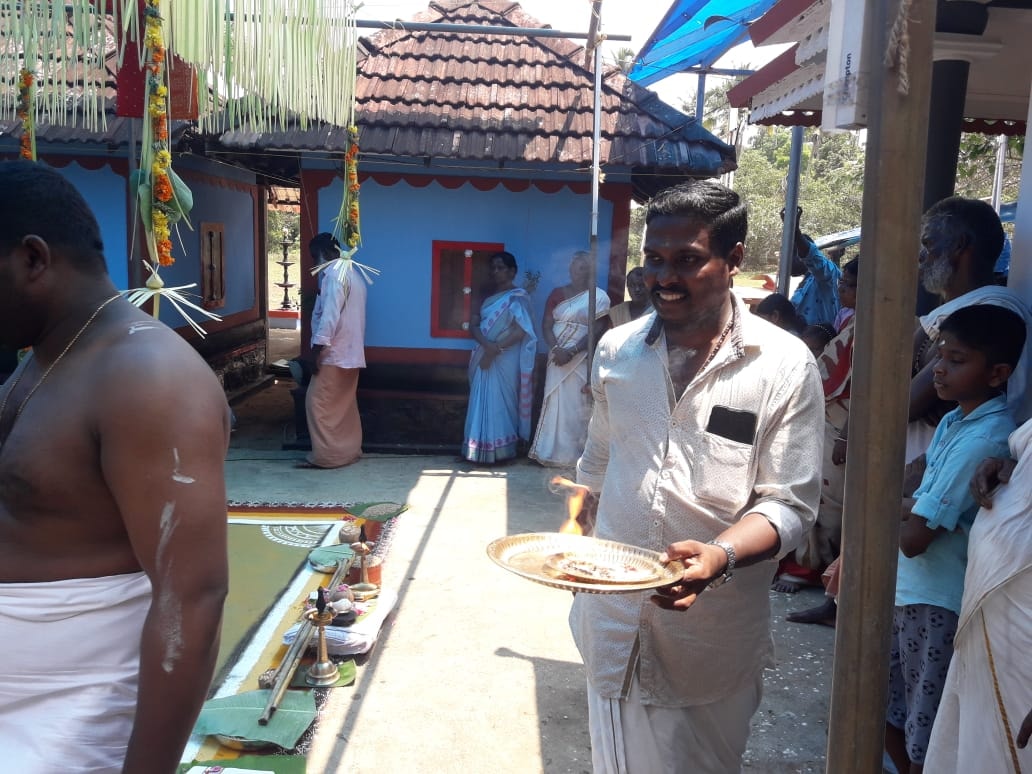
(637, 18)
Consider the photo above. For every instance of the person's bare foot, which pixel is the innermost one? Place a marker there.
(824, 614)
(786, 585)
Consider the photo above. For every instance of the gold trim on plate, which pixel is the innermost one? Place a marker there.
(540, 556)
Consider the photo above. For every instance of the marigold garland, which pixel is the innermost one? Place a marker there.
(157, 109)
(352, 233)
(27, 144)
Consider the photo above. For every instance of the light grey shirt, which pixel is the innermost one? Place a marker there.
(745, 437)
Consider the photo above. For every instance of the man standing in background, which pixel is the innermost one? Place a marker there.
(338, 351)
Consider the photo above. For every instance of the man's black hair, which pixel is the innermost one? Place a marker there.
(776, 302)
(714, 205)
(996, 332)
(324, 242)
(970, 223)
(34, 199)
(852, 268)
(507, 258)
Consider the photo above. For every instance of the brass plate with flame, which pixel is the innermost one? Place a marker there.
(578, 563)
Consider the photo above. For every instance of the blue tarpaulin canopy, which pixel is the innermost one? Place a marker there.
(693, 35)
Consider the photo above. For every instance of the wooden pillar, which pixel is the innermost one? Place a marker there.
(881, 377)
(311, 182)
(1021, 251)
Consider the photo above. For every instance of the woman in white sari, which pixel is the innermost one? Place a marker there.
(563, 425)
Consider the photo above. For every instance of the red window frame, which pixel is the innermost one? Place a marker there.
(447, 297)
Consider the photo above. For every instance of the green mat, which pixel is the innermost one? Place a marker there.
(259, 570)
(281, 764)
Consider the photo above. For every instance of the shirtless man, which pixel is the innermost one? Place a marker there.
(112, 504)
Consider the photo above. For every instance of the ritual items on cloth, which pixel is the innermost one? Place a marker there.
(359, 637)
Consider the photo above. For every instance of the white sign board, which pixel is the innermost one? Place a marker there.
(846, 74)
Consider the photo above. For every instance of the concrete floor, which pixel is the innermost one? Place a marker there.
(476, 670)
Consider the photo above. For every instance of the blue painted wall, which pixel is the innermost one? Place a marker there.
(105, 191)
(400, 223)
(235, 210)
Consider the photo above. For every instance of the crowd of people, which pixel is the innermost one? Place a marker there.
(712, 435)
(501, 369)
(968, 392)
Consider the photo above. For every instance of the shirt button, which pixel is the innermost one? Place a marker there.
(655, 523)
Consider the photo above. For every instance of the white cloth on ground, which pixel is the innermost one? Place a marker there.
(69, 672)
(357, 638)
(969, 733)
(628, 737)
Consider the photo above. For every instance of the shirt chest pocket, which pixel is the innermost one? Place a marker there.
(722, 473)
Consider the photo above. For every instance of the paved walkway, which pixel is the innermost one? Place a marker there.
(476, 671)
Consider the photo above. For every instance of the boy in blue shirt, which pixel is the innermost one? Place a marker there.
(978, 348)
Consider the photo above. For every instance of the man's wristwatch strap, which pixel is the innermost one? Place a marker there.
(729, 570)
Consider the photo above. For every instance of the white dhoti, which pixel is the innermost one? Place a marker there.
(69, 668)
(628, 737)
(989, 686)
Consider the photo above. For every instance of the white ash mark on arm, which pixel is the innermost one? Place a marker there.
(170, 607)
(176, 475)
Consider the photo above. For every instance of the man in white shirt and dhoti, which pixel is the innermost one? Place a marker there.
(338, 352)
(705, 443)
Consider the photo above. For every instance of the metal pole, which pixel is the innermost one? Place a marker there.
(480, 29)
(791, 203)
(700, 98)
(880, 388)
(1001, 159)
(596, 152)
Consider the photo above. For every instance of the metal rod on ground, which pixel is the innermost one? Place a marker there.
(791, 221)
(894, 171)
(596, 152)
(292, 658)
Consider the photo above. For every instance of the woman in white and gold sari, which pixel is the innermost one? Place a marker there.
(563, 425)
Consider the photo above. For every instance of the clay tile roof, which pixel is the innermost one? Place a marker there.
(463, 96)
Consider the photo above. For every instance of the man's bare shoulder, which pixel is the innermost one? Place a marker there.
(140, 361)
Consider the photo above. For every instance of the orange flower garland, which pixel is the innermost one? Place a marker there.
(26, 81)
(351, 228)
(157, 110)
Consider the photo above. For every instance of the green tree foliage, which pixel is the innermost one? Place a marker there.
(830, 187)
(634, 236)
(623, 59)
(976, 166)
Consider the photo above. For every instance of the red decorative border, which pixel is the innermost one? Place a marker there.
(516, 185)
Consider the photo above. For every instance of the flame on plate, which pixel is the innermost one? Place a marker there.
(575, 494)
